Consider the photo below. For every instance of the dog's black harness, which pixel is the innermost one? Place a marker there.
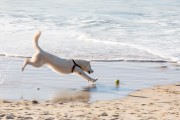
(75, 64)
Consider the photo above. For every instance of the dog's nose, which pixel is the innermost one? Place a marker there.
(90, 71)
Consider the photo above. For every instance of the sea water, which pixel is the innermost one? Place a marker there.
(93, 30)
(101, 30)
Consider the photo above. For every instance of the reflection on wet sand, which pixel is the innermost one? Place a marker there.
(74, 96)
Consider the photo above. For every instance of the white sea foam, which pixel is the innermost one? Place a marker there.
(86, 37)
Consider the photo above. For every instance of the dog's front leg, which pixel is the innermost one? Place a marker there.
(80, 72)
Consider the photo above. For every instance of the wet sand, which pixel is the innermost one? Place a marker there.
(40, 94)
(156, 103)
(43, 84)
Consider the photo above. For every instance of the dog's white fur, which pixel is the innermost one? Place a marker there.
(57, 64)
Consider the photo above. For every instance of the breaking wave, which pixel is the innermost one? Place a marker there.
(13, 55)
(95, 60)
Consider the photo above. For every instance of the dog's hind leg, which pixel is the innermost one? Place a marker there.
(80, 72)
(25, 63)
(35, 61)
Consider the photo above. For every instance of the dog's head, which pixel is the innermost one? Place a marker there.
(85, 66)
(88, 68)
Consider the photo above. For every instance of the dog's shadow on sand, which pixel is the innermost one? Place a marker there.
(75, 96)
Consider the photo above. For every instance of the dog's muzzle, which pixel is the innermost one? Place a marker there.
(90, 72)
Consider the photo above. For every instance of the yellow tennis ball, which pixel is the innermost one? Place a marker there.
(117, 82)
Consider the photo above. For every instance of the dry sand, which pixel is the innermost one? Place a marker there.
(157, 103)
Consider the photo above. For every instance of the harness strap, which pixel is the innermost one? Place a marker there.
(75, 64)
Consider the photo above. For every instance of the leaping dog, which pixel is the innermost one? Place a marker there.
(57, 64)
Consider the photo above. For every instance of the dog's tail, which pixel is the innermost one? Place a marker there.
(35, 40)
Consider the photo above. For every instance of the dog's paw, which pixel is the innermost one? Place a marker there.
(94, 80)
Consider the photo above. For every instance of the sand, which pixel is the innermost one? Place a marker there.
(156, 103)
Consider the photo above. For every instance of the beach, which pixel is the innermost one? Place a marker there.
(147, 91)
(156, 103)
(133, 42)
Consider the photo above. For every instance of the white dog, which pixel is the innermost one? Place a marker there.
(57, 64)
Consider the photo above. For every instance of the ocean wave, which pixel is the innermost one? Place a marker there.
(151, 51)
(13, 55)
(13, 23)
(124, 60)
(95, 60)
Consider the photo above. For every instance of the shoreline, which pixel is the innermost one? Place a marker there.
(44, 84)
(155, 103)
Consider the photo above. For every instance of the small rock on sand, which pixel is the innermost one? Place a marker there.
(50, 118)
(35, 102)
(10, 116)
(2, 115)
(103, 114)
